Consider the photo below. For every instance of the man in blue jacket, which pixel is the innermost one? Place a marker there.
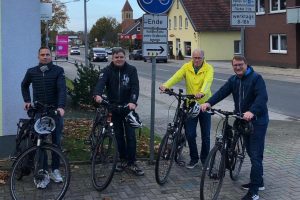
(250, 99)
(48, 87)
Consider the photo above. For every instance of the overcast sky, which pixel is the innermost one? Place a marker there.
(95, 10)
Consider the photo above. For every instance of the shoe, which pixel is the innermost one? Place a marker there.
(135, 169)
(121, 166)
(247, 187)
(192, 164)
(42, 184)
(250, 196)
(56, 176)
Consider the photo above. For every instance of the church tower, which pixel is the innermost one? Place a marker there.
(127, 16)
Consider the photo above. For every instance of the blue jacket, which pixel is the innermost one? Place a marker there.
(249, 94)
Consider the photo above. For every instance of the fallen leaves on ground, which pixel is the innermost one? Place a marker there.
(3, 176)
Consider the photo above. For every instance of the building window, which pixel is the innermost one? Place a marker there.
(180, 22)
(277, 5)
(170, 24)
(187, 49)
(138, 29)
(175, 22)
(278, 43)
(260, 6)
(237, 46)
(186, 23)
(177, 4)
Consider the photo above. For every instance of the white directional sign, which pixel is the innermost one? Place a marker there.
(155, 35)
(243, 13)
(158, 50)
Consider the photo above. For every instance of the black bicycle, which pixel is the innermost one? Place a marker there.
(34, 154)
(174, 140)
(103, 145)
(227, 153)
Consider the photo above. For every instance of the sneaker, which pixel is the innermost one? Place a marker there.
(192, 164)
(250, 196)
(135, 169)
(247, 187)
(121, 166)
(56, 176)
(42, 184)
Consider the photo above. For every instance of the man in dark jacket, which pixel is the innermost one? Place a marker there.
(120, 80)
(250, 99)
(48, 87)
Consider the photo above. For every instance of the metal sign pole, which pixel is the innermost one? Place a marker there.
(243, 41)
(153, 59)
(47, 33)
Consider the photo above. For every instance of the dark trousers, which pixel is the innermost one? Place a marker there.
(204, 119)
(126, 140)
(255, 144)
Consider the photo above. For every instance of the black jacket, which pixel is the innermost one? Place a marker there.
(249, 94)
(121, 84)
(48, 87)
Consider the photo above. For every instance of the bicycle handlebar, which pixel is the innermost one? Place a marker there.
(39, 107)
(179, 94)
(225, 113)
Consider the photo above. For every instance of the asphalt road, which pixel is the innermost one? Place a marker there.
(283, 96)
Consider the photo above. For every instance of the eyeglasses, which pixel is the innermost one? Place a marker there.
(199, 58)
(238, 65)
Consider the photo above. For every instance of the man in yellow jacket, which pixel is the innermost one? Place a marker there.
(198, 75)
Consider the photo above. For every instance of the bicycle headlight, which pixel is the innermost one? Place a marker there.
(44, 125)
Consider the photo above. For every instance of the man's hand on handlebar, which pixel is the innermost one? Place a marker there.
(205, 107)
(199, 95)
(131, 106)
(61, 111)
(248, 116)
(98, 98)
(27, 106)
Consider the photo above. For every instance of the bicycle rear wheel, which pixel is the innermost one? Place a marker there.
(237, 157)
(165, 158)
(25, 186)
(104, 161)
(212, 174)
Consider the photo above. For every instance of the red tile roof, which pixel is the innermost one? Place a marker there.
(209, 15)
(127, 7)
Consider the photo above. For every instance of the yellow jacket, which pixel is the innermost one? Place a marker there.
(195, 83)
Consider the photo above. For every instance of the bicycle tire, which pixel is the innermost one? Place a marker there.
(22, 188)
(166, 154)
(213, 173)
(104, 161)
(237, 158)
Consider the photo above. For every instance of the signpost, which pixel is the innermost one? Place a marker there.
(243, 13)
(155, 44)
(46, 15)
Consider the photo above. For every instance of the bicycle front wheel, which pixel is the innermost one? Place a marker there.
(165, 158)
(212, 174)
(104, 161)
(237, 157)
(35, 182)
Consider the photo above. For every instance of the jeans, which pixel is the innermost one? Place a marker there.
(126, 147)
(56, 139)
(255, 144)
(204, 119)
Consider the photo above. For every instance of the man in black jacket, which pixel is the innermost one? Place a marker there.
(48, 87)
(250, 99)
(120, 80)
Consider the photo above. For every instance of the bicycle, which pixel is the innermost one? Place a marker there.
(174, 140)
(33, 153)
(103, 145)
(227, 153)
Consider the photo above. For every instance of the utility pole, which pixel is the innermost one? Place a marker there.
(85, 36)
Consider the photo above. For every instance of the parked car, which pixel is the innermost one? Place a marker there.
(136, 55)
(108, 51)
(75, 51)
(98, 54)
(158, 59)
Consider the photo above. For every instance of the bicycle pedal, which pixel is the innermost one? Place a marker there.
(181, 163)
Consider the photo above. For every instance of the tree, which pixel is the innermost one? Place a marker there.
(59, 20)
(106, 30)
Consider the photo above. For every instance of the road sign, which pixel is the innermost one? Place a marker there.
(155, 50)
(46, 11)
(155, 6)
(243, 13)
(157, 21)
(155, 35)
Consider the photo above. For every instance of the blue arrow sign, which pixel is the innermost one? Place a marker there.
(155, 6)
